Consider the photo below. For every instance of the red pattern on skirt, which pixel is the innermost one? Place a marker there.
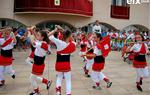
(63, 66)
(137, 64)
(5, 61)
(98, 66)
(38, 69)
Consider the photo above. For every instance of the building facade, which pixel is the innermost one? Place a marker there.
(137, 16)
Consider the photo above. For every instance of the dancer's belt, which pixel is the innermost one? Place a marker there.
(39, 60)
(140, 58)
(99, 59)
(82, 45)
(63, 58)
(6, 53)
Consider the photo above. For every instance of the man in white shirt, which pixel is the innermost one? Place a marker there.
(97, 27)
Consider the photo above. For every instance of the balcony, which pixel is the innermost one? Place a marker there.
(69, 7)
(120, 12)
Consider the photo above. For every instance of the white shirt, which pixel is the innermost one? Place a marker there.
(97, 51)
(137, 47)
(9, 46)
(97, 28)
(38, 50)
(61, 45)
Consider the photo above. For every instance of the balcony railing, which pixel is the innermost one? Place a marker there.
(75, 7)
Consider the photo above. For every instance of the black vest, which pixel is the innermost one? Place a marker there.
(99, 59)
(140, 58)
(6, 53)
(83, 45)
(63, 58)
(39, 60)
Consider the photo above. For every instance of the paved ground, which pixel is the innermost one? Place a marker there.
(121, 74)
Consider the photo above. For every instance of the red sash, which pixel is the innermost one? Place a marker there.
(44, 46)
(69, 49)
(143, 49)
(7, 42)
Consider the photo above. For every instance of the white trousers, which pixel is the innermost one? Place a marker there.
(67, 76)
(97, 76)
(34, 79)
(142, 72)
(89, 64)
(6, 69)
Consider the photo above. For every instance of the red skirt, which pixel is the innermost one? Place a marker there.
(5, 61)
(38, 69)
(63, 66)
(98, 66)
(137, 64)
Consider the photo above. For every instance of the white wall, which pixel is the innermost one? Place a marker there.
(6, 9)
(149, 16)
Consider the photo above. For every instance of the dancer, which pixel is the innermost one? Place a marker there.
(41, 48)
(140, 50)
(83, 45)
(99, 62)
(7, 42)
(32, 32)
(65, 47)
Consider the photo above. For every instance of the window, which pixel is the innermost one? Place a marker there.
(119, 2)
(12, 23)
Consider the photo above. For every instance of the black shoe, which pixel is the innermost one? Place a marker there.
(109, 84)
(124, 59)
(87, 75)
(1, 85)
(32, 93)
(97, 87)
(139, 88)
(13, 76)
(49, 84)
(141, 82)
